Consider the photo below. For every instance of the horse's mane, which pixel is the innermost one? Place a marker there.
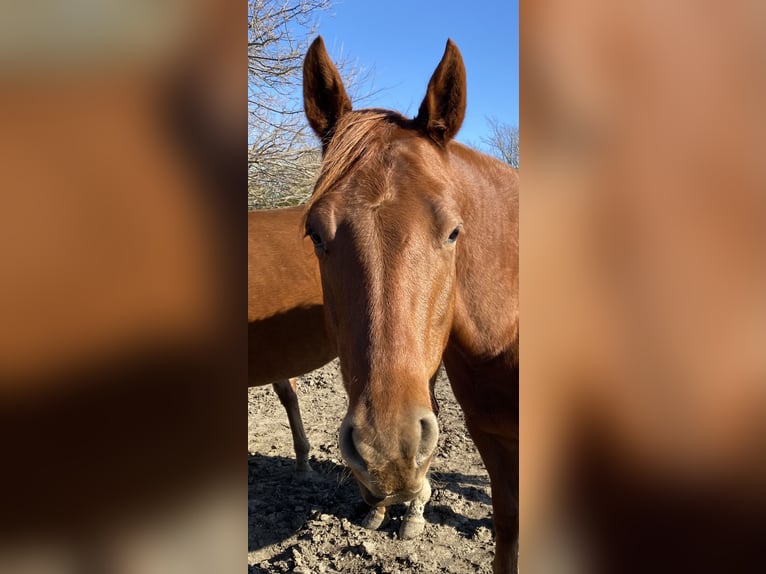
(359, 138)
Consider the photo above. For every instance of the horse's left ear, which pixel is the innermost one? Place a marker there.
(443, 109)
(324, 97)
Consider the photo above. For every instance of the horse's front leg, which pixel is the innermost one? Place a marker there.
(501, 457)
(489, 397)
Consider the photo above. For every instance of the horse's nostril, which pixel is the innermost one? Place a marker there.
(348, 448)
(429, 435)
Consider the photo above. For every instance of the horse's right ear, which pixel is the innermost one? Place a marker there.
(324, 97)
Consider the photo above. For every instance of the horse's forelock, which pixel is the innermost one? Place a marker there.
(359, 138)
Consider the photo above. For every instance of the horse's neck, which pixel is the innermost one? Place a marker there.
(487, 303)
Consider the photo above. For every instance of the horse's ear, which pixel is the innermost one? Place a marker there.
(324, 97)
(443, 109)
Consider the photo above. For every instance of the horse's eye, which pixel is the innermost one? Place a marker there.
(315, 237)
(453, 236)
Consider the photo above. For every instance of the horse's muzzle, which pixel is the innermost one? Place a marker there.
(390, 463)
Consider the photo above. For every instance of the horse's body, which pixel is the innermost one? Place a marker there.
(285, 318)
(417, 242)
(286, 328)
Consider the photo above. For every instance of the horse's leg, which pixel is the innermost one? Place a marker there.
(488, 395)
(502, 462)
(285, 390)
(413, 522)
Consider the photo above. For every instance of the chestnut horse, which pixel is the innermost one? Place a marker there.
(417, 242)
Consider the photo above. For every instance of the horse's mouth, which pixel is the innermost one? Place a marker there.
(386, 500)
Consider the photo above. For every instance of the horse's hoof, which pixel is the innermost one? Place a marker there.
(412, 527)
(303, 470)
(374, 518)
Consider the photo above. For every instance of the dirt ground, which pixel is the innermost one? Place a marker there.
(312, 525)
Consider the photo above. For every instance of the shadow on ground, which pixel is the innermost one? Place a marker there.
(470, 487)
(280, 501)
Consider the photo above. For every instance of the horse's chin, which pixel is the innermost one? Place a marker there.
(394, 498)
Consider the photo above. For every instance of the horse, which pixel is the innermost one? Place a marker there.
(416, 237)
(287, 336)
(285, 319)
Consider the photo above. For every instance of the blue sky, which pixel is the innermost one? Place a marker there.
(403, 41)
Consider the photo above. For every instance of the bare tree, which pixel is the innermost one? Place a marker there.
(503, 141)
(283, 155)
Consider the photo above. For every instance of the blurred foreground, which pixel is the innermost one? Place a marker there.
(122, 291)
(643, 226)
